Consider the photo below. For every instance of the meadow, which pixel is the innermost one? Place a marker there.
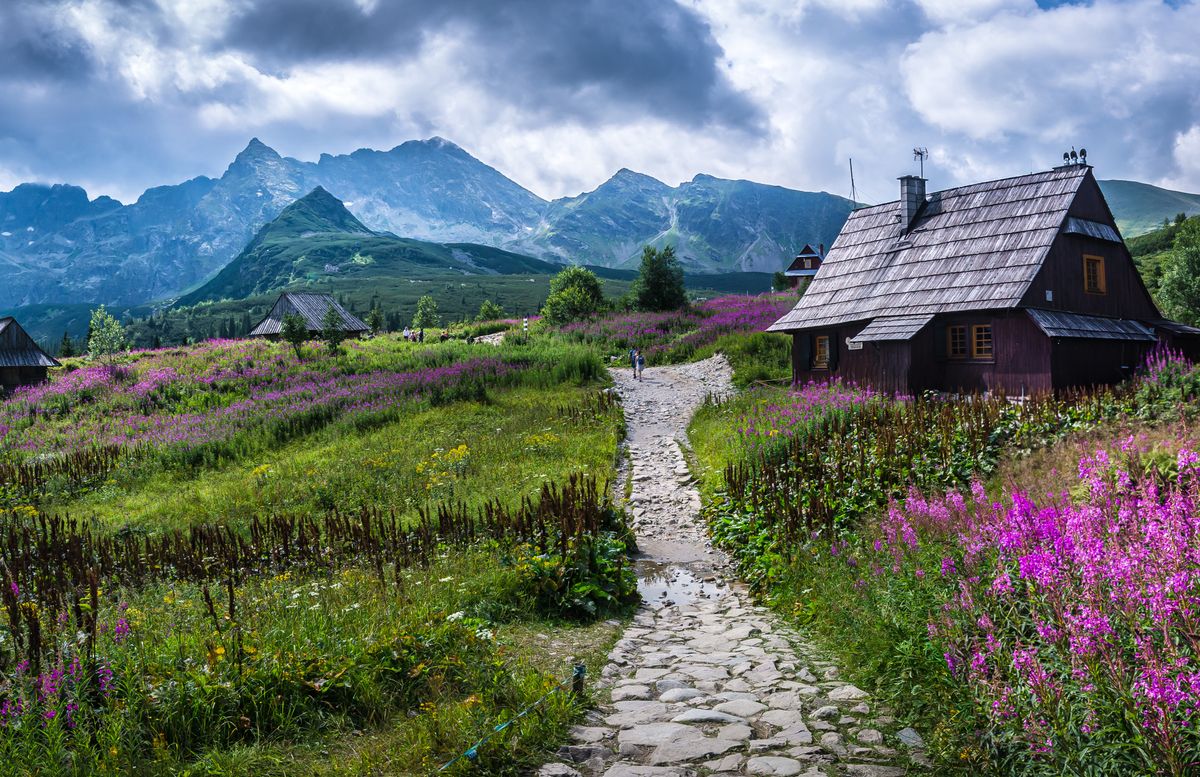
(227, 558)
(733, 325)
(1017, 579)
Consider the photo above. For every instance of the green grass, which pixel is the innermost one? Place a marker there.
(347, 670)
(514, 443)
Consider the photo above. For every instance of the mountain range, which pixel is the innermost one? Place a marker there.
(58, 246)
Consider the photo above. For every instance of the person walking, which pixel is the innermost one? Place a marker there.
(633, 360)
(641, 364)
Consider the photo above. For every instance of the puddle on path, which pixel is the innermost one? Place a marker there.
(662, 583)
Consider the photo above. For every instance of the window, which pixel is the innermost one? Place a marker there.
(821, 352)
(981, 341)
(1093, 275)
(956, 341)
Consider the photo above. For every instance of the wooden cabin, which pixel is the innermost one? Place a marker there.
(310, 307)
(1018, 286)
(22, 361)
(805, 265)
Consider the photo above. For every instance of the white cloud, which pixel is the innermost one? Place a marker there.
(1186, 153)
(992, 87)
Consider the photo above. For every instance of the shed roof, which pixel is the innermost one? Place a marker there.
(892, 328)
(974, 247)
(310, 307)
(18, 349)
(1058, 323)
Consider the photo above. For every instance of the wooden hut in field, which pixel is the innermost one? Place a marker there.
(312, 309)
(22, 362)
(805, 265)
(1017, 286)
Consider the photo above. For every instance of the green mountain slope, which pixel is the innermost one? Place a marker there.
(1140, 208)
(316, 239)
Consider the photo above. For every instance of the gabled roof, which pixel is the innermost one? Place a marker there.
(975, 247)
(310, 307)
(18, 349)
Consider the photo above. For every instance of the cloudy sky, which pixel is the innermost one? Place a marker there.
(120, 95)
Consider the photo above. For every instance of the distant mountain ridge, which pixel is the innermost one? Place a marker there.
(57, 246)
(61, 248)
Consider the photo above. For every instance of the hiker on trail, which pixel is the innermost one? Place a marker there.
(407, 334)
(421, 335)
(633, 361)
(641, 364)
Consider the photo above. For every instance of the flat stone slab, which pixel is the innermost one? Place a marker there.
(848, 693)
(690, 750)
(654, 734)
(637, 770)
(773, 765)
(705, 716)
(910, 738)
(743, 708)
(681, 694)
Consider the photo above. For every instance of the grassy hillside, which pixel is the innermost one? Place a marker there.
(1150, 251)
(1140, 208)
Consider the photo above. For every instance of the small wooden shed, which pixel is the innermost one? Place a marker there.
(310, 307)
(22, 362)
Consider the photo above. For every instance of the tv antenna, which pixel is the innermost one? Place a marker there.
(922, 154)
(853, 193)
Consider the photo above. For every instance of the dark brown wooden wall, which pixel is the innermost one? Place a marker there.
(12, 377)
(1084, 363)
(1020, 364)
(1062, 273)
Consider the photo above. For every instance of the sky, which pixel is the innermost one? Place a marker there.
(121, 95)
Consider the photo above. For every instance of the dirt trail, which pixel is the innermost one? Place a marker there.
(704, 682)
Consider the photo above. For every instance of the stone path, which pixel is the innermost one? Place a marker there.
(704, 682)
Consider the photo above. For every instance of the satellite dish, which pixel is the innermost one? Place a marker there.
(1074, 156)
(1066, 157)
(1083, 154)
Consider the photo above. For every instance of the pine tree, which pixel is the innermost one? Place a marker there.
(66, 348)
(295, 332)
(659, 285)
(332, 332)
(375, 320)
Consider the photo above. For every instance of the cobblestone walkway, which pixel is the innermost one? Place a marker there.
(704, 682)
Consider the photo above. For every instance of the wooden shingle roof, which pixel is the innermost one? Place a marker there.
(310, 307)
(18, 349)
(975, 247)
(1058, 323)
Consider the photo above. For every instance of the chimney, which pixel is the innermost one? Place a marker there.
(912, 197)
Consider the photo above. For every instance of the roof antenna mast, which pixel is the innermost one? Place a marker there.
(922, 154)
(853, 193)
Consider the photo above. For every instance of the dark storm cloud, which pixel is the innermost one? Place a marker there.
(585, 59)
(33, 46)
